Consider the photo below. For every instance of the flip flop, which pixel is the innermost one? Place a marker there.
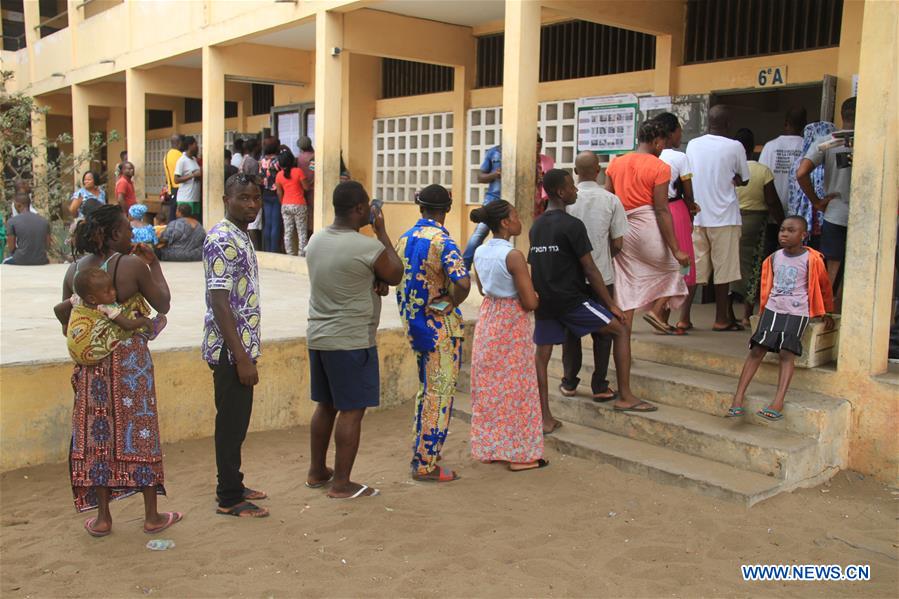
(442, 476)
(770, 414)
(556, 427)
(735, 412)
(657, 324)
(732, 327)
(567, 392)
(250, 494)
(689, 326)
(598, 399)
(89, 527)
(636, 407)
(319, 484)
(241, 508)
(171, 518)
(541, 463)
(360, 493)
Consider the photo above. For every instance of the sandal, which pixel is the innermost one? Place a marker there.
(637, 407)
(244, 509)
(319, 484)
(541, 463)
(566, 391)
(604, 396)
(360, 493)
(555, 427)
(770, 414)
(442, 476)
(680, 326)
(735, 412)
(658, 325)
(171, 518)
(249, 494)
(89, 527)
(732, 327)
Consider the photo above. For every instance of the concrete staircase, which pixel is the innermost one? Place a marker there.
(687, 442)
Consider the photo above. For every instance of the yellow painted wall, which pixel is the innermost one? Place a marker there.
(36, 414)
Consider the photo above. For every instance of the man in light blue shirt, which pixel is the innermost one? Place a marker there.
(491, 173)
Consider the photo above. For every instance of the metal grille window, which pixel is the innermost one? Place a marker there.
(159, 119)
(412, 152)
(263, 98)
(401, 78)
(724, 29)
(193, 110)
(557, 123)
(573, 50)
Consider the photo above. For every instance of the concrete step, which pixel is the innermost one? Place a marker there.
(660, 464)
(735, 442)
(809, 414)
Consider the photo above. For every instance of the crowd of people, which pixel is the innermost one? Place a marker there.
(663, 222)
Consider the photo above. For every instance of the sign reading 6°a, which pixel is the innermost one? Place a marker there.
(771, 76)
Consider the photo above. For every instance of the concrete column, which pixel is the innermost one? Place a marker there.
(461, 98)
(867, 284)
(116, 122)
(669, 55)
(135, 127)
(213, 135)
(81, 135)
(520, 78)
(75, 16)
(39, 162)
(328, 101)
(32, 16)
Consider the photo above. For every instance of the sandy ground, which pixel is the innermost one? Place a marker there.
(575, 529)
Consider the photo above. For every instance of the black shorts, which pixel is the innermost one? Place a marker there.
(833, 241)
(345, 379)
(778, 331)
(588, 317)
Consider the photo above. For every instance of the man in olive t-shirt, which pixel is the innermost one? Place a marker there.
(348, 272)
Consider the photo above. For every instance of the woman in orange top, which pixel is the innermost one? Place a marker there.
(647, 270)
(290, 183)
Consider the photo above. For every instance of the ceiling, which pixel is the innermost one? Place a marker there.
(192, 60)
(301, 37)
(457, 12)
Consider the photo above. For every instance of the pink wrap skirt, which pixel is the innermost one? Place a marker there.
(645, 269)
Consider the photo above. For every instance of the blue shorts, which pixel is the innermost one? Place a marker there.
(589, 317)
(833, 241)
(345, 379)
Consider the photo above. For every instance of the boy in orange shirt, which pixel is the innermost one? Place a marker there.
(794, 289)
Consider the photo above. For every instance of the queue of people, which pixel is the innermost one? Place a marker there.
(663, 223)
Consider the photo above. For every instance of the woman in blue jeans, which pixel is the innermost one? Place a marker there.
(272, 224)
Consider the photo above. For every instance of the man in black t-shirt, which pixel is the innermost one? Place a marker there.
(560, 261)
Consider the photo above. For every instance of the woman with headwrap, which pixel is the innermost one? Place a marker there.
(141, 230)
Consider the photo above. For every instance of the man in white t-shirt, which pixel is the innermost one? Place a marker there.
(719, 164)
(189, 177)
(606, 222)
(780, 153)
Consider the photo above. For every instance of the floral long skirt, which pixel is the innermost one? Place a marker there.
(506, 422)
(115, 426)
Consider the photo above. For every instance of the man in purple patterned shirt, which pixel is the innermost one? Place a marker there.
(231, 343)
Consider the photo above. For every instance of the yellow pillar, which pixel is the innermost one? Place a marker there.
(669, 54)
(213, 146)
(115, 122)
(462, 84)
(872, 219)
(32, 16)
(520, 78)
(328, 104)
(81, 135)
(75, 16)
(135, 127)
(39, 163)
(850, 46)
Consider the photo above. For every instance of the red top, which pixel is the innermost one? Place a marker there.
(293, 189)
(123, 185)
(635, 175)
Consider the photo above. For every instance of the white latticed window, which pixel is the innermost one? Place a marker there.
(557, 122)
(410, 153)
(154, 169)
